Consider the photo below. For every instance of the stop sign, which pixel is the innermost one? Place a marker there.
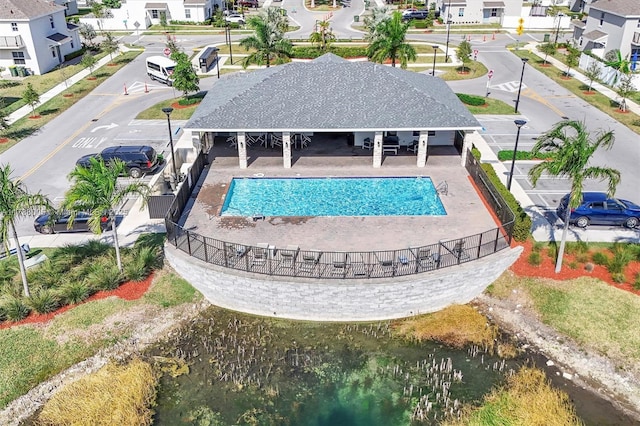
(167, 51)
(490, 74)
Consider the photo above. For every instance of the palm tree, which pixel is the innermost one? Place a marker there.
(268, 41)
(323, 35)
(373, 22)
(391, 42)
(15, 203)
(95, 189)
(571, 147)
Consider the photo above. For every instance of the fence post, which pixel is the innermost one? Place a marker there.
(479, 246)
(206, 255)
(495, 243)
(189, 243)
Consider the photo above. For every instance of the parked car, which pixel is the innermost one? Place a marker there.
(139, 159)
(235, 18)
(416, 14)
(45, 224)
(248, 3)
(597, 209)
(409, 11)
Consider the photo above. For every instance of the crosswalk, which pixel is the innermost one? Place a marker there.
(142, 87)
(510, 86)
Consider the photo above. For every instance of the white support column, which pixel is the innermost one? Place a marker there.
(242, 150)
(377, 150)
(196, 141)
(423, 145)
(466, 145)
(286, 149)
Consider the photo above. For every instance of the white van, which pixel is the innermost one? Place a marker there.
(161, 69)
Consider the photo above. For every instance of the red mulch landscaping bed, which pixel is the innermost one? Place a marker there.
(547, 269)
(131, 290)
(176, 105)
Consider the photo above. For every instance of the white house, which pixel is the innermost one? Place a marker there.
(611, 24)
(479, 11)
(35, 35)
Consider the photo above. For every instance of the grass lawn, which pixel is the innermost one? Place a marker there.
(474, 69)
(155, 112)
(493, 106)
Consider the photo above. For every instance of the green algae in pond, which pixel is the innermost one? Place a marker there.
(247, 370)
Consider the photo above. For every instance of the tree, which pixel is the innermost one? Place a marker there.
(184, 76)
(95, 189)
(571, 59)
(110, 45)
(373, 22)
(548, 49)
(88, 61)
(16, 203)
(268, 41)
(323, 35)
(614, 59)
(31, 97)
(100, 12)
(88, 33)
(163, 19)
(464, 53)
(592, 72)
(571, 148)
(625, 88)
(391, 42)
(172, 44)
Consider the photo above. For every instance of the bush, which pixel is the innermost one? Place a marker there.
(471, 99)
(538, 246)
(552, 251)
(14, 309)
(507, 155)
(599, 258)
(621, 258)
(312, 52)
(534, 259)
(635, 285)
(576, 247)
(104, 277)
(75, 54)
(618, 277)
(43, 301)
(74, 292)
(476, 153)
(522, 226)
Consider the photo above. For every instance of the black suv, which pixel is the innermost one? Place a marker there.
(139, 159)
(416, 14)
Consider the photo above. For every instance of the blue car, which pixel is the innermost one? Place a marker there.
(597, 209)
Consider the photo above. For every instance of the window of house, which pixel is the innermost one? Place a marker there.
(154, 14)
(18, 58)
(431, 133)
(14, 26)
(601, 18)
(51, 22)
(461, 11)
(72, 44)
(187, 13)
(53, 51)
(494, 12)
(638, 23)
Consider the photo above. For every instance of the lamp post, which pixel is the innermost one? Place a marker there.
(433, 71)
(560, 15)
(227, 37)
(524, 62)
(519, 124)
(168, 111)
(446, 52)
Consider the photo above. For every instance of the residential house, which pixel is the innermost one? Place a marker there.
(35, 35)
(479, 11)
(611, 24)
(71, 6)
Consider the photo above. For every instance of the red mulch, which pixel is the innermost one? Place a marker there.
(4, 140)
(131, 290)
(35, 117)
(621, 112)
(176, 105)
(68, 95)
(92, 78)
(586, 92)
(547, 269)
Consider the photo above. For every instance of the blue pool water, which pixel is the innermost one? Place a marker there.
(388, 196)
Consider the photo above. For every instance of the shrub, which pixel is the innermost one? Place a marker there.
(74, 292)
(534, 258)
(471, 99)
(618, 277)
(621, 258)
(476, 153)
(576, 247)
(635, 285)
(43, 301)
(552, 251)
(636, 122)
(582, 257)
(507, 155)
(104, 277)
(599, 258)
(75, 54)
(136, 270)
(14, 308)
(522, 226)
(538, 246)
(312, 52)
(573, 265)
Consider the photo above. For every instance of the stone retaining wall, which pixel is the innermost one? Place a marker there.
(341, 300)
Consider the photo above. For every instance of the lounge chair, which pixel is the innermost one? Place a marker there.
(425, 259)
(288, 256)
(310, 261)
(459, 252)
(386, 263)
(339, 264)
(359, 266)
(260, 253)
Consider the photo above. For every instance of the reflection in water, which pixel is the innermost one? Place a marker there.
(261, 371)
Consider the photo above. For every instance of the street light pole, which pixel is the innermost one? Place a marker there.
(168, 111)
(560, 15)
(524, 62)
(227, 35)
(519, 124)
(446, 53)
(435, 48)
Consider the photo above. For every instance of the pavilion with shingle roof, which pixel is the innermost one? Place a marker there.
(381, 107)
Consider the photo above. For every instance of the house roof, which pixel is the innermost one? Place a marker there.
(26, 9)
(493, 4)
(578, 23)
(331, 93)
(595, 35)
(155, 6)
(58, 38)
(626, 8)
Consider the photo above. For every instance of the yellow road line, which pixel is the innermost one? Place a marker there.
(536, 97)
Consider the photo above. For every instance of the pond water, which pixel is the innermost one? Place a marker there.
(246, 370)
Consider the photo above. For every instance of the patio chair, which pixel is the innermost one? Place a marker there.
(413, 147)
(339, 264)
(359, 266)
(425, 259)
(260, 254)
(232, 141)
(386, 263)
(310, 260)
(235, 252)
(288, 256)
(458, 250)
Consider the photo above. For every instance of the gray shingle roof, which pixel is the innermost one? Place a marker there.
(25, 9)
(330, 93)
(626, 8)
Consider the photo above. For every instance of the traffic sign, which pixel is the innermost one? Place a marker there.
(490, 74)
(475, 52)
(166, 51)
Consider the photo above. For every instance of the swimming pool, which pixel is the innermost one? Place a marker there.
(345, 196)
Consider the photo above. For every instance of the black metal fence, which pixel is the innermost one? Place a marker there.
(292, 262)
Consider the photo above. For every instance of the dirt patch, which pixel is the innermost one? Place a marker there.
(236, 222)
(289, 220)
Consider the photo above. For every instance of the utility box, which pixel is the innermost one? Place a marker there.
(546, 38)
(207, 58)
(356, 18)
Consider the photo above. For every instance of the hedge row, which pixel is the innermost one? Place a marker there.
(312, 52)
(471, 99)
(522, 227)
(507, 155)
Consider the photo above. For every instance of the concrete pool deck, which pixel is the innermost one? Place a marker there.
(466, 213)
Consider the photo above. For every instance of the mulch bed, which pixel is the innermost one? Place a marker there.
(176, 105)
(4, 140)
(35, 117)
(547, 269)
(131, 290)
